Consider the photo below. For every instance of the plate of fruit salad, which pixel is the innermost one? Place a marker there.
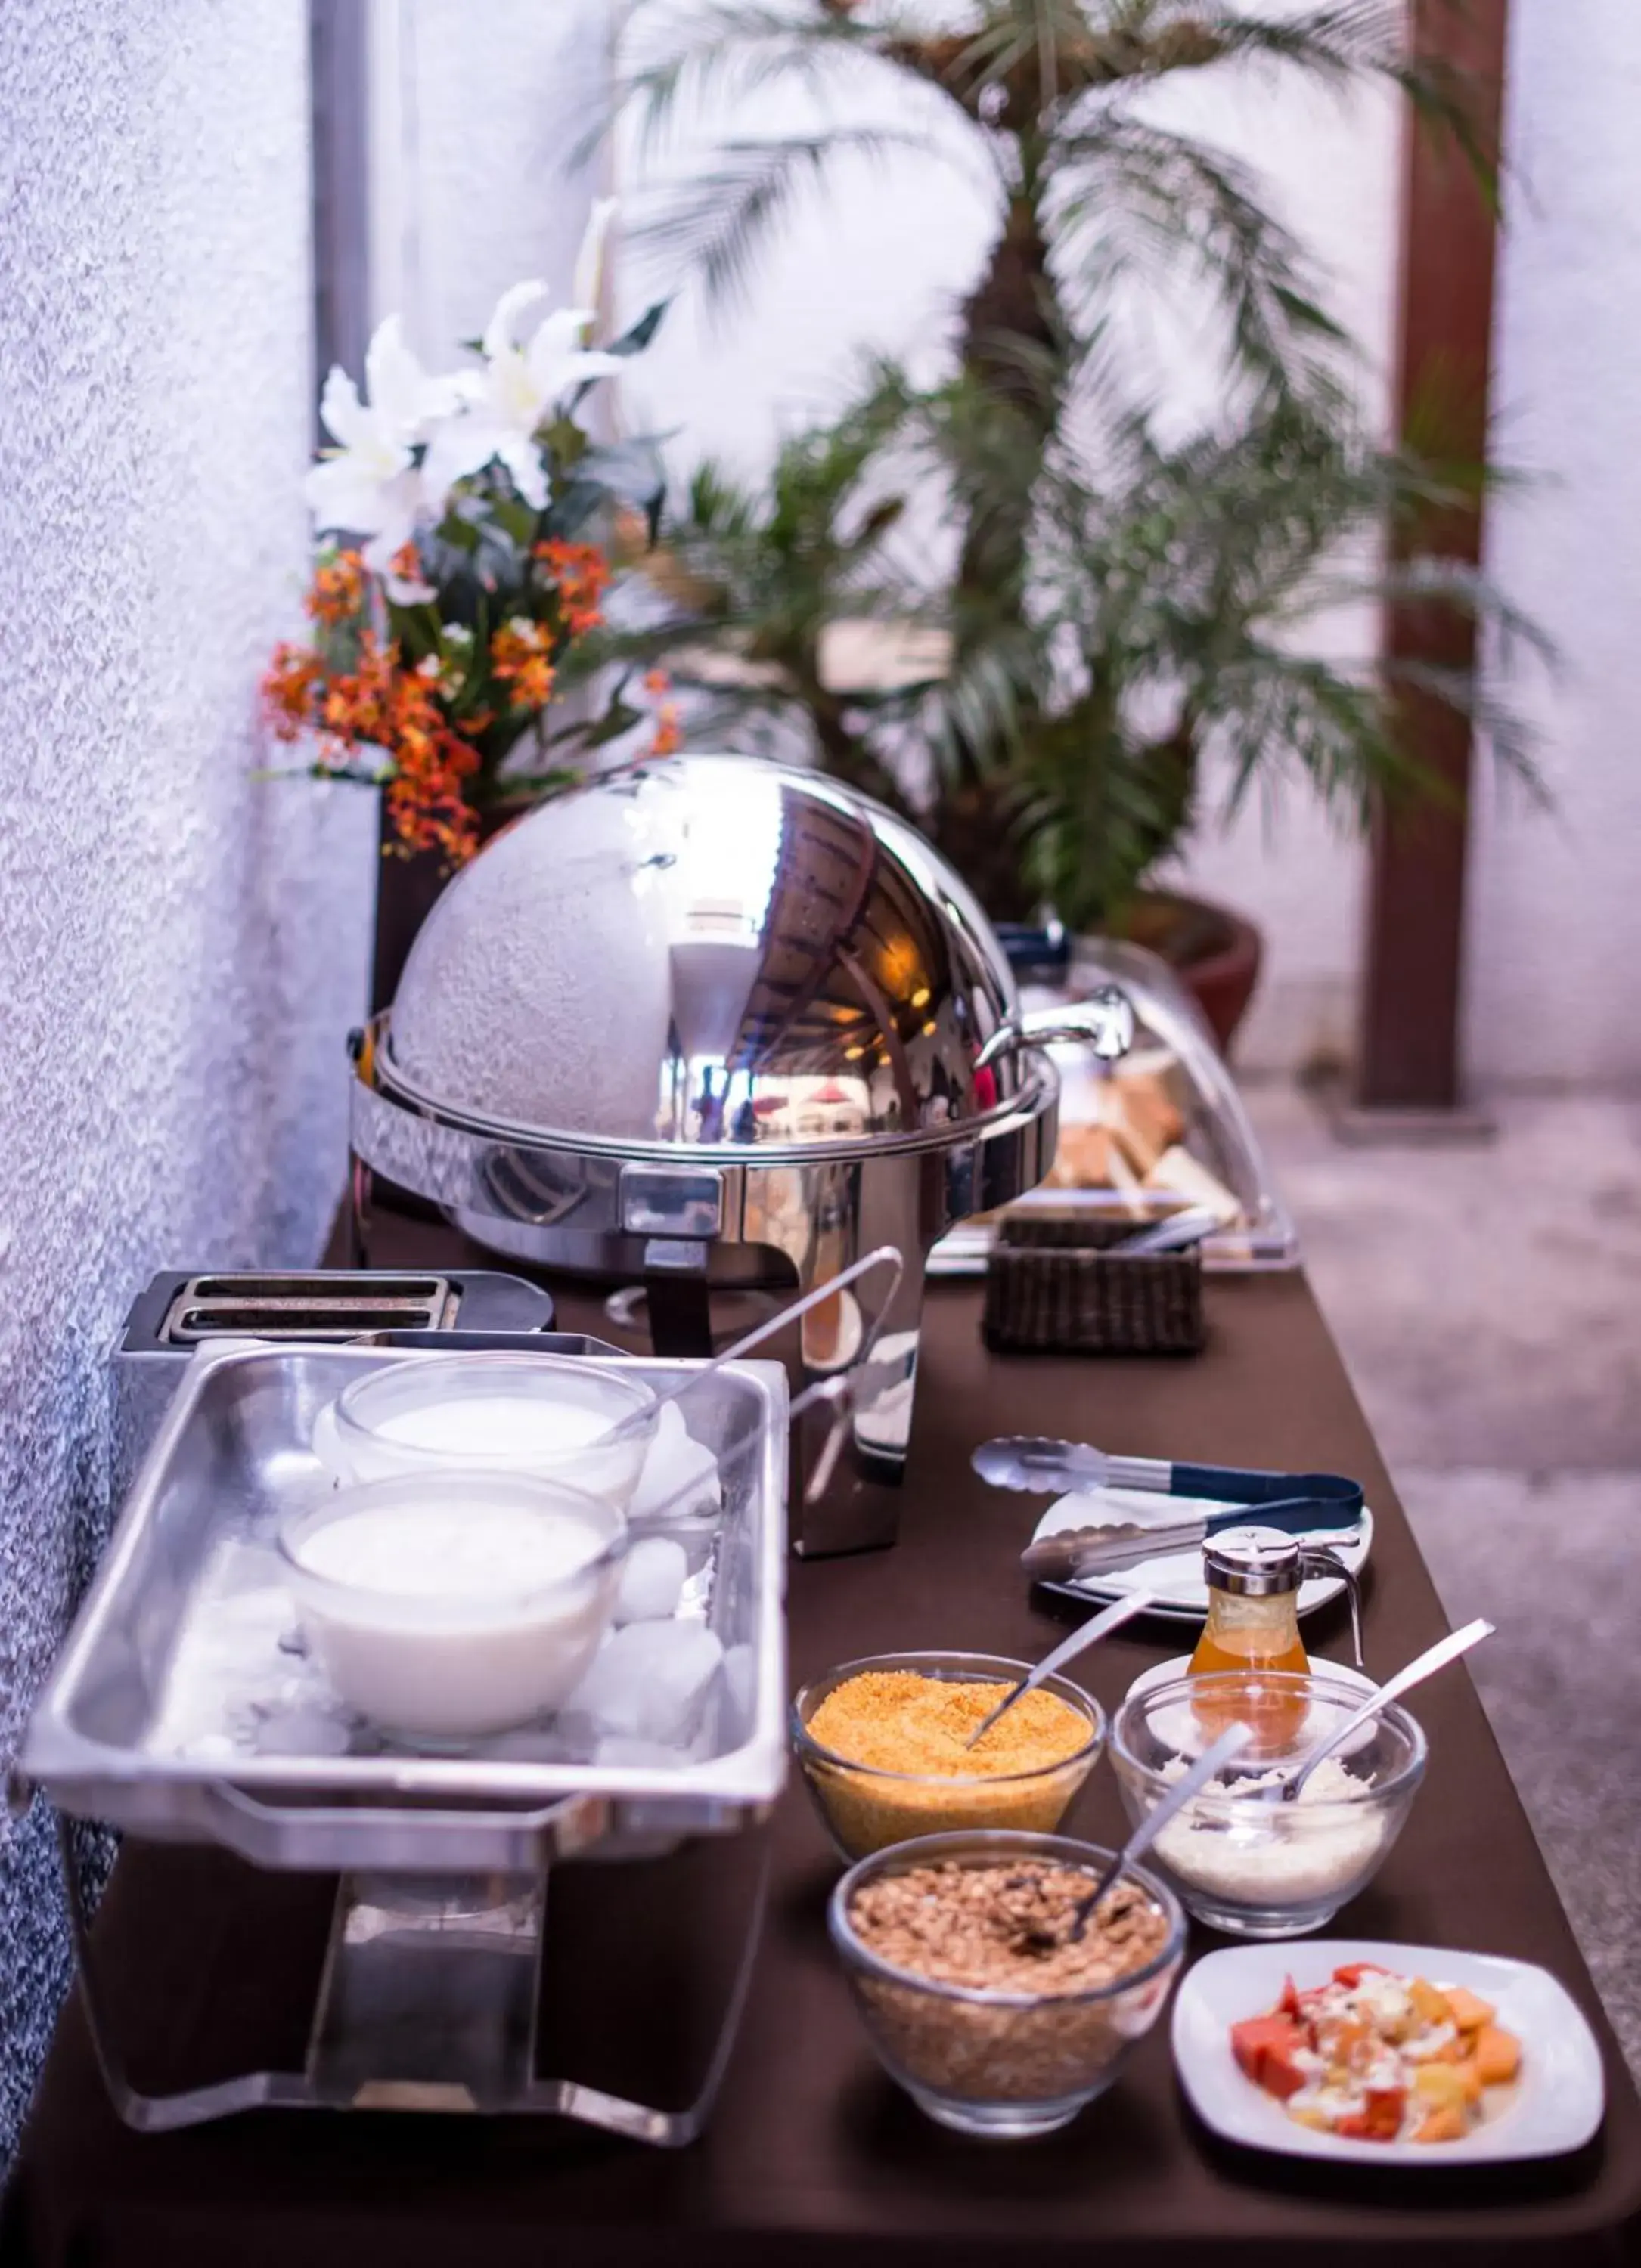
(1389, 2053)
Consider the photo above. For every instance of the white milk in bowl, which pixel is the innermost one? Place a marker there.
(454, 1603)
(544, 1414)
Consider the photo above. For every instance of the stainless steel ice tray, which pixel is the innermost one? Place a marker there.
(231, 1457)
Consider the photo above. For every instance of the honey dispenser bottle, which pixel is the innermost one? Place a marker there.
(1253, 1576)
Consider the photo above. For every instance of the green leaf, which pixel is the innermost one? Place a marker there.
(627, 472)
(516, 520)
(638, 335)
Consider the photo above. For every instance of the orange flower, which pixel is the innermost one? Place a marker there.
(668, 732)
(397, 716)
(337, 595)
(288, 690)
(520, 655)
(581, 574)
(656, 680)
(405, 566)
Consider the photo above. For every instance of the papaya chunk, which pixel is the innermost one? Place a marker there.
(1498, 2057)
(1467, 2010)
(1434, 2007)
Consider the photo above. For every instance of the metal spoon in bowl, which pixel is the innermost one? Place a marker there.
(1231, 1743)
(1086, 1634)
(1423, 1666)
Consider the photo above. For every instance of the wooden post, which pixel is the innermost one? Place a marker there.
(1409, 1057)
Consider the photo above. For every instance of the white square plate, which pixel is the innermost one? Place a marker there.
(1175, 1577)
(1555, 2106)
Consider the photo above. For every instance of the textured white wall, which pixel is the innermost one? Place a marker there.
(1554, 912)
(181, 948)
(882, 259)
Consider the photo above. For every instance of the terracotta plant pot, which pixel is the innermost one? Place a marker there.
(1215, 954)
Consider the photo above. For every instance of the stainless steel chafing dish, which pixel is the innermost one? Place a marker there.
(708, 1021)
(176, 1711)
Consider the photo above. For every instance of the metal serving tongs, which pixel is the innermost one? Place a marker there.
(1036, 1464)
(841, 1393)
(1293, 1504)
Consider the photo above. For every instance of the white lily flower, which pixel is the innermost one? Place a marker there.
(369, 485)
(588, 287)
(519, 388)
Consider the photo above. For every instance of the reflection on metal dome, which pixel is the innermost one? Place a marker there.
(707, 951)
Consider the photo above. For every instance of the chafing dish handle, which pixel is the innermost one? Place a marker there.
(314, 1836)
(1104, 1023)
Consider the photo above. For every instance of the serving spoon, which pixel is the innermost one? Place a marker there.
(1085, 1635)
(1423, 1666)
(1231, 1743)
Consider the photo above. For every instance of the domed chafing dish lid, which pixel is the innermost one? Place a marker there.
(712, 952)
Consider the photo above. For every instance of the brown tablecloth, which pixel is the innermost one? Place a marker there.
(812, 2154)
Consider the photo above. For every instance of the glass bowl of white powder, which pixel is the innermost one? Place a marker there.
(448, 1606)
(545, 1414)
(1242, 1864)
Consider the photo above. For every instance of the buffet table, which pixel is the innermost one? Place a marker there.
(812, 2154)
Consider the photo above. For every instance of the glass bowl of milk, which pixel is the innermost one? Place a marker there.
(446, 1606)
(544, 1414)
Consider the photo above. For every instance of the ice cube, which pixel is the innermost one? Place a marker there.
(652, 1580)
(650, 1680)
(304, 1729)
(677, 1461)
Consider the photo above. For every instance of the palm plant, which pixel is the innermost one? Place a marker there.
(751, 584)
(1119, 609)
(1088, 186)
(1184, 607)
(1175, 633)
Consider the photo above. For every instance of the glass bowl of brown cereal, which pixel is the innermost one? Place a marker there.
(978, 1997)
(881, 1743)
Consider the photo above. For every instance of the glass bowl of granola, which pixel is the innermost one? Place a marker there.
(977, 1993)
(883, 1744)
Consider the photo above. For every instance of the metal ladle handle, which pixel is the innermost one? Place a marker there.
(1231, 1743)
(885, 1256)
(840, 1393)
(1124, 1610)
(1423, 1666)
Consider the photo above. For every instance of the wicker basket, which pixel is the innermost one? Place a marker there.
(1052, 1287)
